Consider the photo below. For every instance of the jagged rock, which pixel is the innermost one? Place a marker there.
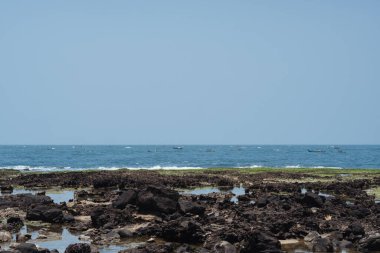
(105, 182)
(108, 217)
(261, 202)
(15, 221)
(45, 213)
(157, 200)
(224, 247)
(78, 248)
(26, 248)
(355, 228)
(312, 236)
(6, 189)
(125, 233)
(23, 237)
(370, 243)
(126, 197)
(191, 207)
(258, 241)
(322, 245)
(312, 200)
(182, 230)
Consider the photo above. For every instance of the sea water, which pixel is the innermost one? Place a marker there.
(77, 157)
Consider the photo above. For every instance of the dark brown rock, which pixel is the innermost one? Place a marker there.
(126, 197)
(78, 248)
(258, 241)
(45, 213)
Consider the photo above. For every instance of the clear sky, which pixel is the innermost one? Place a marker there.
(190, 72)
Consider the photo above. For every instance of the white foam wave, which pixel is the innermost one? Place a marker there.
(250, 166)
(164, 168)
(326, 167)
(312, 167)
(29, 168)
(293, 166)
(157, 167)
(42, 168)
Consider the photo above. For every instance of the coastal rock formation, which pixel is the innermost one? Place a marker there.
(370, 243)
(45, 213)
(147, 207)
(157, 200)
(258, 241)
(182, 230)
(78, 248)
(191, 207)
(126, 197)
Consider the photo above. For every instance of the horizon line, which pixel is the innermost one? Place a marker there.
(283, 144)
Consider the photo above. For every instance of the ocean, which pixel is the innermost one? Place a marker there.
(79, 157)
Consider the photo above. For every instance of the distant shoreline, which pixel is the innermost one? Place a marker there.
(332, 171)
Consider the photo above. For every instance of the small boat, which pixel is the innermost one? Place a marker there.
(316, 150)
(179, 147)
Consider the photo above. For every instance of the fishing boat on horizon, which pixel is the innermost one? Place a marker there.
(316, 151)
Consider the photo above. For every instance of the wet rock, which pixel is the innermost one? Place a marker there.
(109, 217)
(154, 248)
(5, 236)
(6, 189)
(312, 200)
(23, 237)
(45, 213)
(360, 213)
(261, 202)
(322, 245)
(157, 200)
(370, 243)
(125, 233)
(26, 248)
(224, 247)
(312, 236)
(24, 201)
(81, 195)
(344, 244)
(280, 227)
(44, 250)
(355, 228)
(126, 197)
(258, 241)
(182, 230)
(78, 248)
(68, 218)
(99, 217)
(191, 207)
(14, 220)
(112, 235)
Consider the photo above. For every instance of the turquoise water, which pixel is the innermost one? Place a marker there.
(47, 158)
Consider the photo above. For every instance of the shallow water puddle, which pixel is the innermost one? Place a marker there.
(201, 191)
(59, 238)
(322, 194)
(236, 191)
(57, 195)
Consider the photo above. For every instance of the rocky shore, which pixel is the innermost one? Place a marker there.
(154, 211)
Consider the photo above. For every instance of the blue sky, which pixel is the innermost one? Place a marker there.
(189, 72)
